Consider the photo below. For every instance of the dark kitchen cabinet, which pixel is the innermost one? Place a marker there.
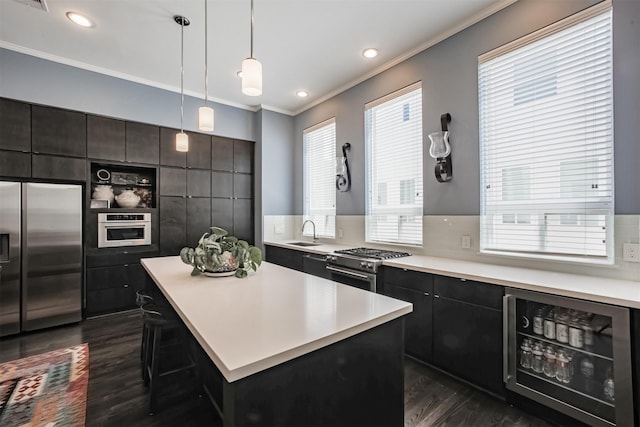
(198, 219)
(222, 213)
(105, 138)
(242, 186)
(315, 264)
(467, 331)
(198, 183)
(142, 143)
(173, 224)
(285, 257)
(222, 184)
(199, 155)
(416, 288)
(112, 288)
(168, 154)
(243, 219)
(15, 164)
(221, 154)
(243, 156)
(59, 132)
(15, 126)
(173, 181)
(57, 167)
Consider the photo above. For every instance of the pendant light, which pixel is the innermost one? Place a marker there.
(251, 70)
(182, 139)
(205, 114)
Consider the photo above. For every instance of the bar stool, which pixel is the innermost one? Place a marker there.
(143, 297)
(166, 337)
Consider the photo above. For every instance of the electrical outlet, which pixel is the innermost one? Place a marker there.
(465, 242)
(631, 252)
(278, 228)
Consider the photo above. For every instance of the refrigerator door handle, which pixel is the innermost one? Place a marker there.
(508, 303)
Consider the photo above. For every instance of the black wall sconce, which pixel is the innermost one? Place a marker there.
(441, 150)
(343, 176)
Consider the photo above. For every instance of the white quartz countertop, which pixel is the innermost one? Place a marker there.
(625, 293)
(272, 316)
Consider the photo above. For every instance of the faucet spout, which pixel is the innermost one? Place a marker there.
(315, 239)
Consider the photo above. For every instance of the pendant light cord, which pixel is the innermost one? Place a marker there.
(206, 59)
(251, 28)
(181, 74)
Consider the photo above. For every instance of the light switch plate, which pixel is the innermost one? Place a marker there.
(631, 252)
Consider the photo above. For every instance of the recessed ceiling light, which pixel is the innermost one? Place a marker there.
(80, 19)
(370, 53)
(302, 93)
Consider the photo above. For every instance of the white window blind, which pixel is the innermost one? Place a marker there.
(393, 134)
(546, 141)
(319, 164)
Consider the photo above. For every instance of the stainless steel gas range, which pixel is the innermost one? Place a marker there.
(358, 266)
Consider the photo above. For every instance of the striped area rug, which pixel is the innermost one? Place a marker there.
(48, 389)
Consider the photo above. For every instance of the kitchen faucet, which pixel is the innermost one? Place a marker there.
(315, 239)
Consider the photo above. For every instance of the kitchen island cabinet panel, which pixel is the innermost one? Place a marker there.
(222, 213)
(173, 181)
(56, 167)
(199, 154)
(142, 143)
(198, 219)
(105, 138)
(15, 126)
(173, 224)
(59, 132)
(15, 164)
(168, 154)
(198, 183)
(221, 154)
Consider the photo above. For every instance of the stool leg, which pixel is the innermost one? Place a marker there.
(155, 364)
(147, 353)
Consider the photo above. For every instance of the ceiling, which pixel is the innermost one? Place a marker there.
(314, 45)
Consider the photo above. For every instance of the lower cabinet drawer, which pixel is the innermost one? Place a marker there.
(112, 289)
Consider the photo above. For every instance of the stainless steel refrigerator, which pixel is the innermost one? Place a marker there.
(40, 255)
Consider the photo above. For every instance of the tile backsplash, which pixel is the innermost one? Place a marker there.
(443, 237)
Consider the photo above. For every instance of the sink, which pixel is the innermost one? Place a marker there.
(304, 244)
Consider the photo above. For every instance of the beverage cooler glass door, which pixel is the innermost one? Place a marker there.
(571, 355)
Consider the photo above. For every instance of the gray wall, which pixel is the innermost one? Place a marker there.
(448, 72)
(39, 81)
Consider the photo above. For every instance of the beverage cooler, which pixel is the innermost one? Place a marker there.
(571, 355)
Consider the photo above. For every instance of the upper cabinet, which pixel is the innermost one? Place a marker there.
(199, 155)
(105, 138)
(15, 125)
(168, 154)
(243, 154)
(221, 154)
(143, 143)
(59, 132)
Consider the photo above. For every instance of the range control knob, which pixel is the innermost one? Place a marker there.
(363, 264)
(370, 265)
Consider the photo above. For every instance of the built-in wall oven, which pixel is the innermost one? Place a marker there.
(124, 229)
(359, 266)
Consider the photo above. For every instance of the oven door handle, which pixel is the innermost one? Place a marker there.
(348, 273)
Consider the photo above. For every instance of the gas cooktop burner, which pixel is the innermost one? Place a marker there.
(372, 253)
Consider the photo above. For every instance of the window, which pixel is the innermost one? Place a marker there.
(546, 141)
(319, 163)
(393, 134)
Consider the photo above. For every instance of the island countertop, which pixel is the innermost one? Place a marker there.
(274, 315)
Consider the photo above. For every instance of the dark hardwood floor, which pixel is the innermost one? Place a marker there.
(117, 397)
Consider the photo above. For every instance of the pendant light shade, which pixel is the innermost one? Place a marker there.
(182, 139)
(182, 142)
(205, 113)
(251, 77)
(205, 119)
(251, 70)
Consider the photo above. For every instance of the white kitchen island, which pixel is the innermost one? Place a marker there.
(291, 348)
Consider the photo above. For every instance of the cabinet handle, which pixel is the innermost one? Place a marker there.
(188, 197)
(426, 293)
(463, 279)
(437, 296)
(126, 265)
(126, 285)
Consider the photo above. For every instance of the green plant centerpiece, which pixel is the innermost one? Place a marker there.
(221, 254)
